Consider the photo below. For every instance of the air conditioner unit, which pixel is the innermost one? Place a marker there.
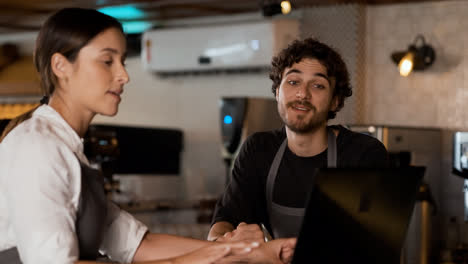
(221, 47)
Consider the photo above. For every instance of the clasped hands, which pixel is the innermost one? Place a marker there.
(277, 251)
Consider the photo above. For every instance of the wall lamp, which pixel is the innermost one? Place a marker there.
(417, 57)
(271, 8)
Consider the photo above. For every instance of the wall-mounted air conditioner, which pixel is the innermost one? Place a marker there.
(221, 47)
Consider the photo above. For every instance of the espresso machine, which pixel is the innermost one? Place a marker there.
(459, 254)
(460, 156)
(239, 118)
(460, 163)
(123, 151)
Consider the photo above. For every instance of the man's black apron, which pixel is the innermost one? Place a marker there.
(90, 220)
(286, 221)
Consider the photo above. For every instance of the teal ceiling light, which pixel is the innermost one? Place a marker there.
(125, 12)
(130, 17)
(135, 27)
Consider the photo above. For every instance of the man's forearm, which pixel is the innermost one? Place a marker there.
(219, 229)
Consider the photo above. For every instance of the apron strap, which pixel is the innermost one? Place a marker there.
(272, 174)
(90, 223)
(290, 215)
(331, 163)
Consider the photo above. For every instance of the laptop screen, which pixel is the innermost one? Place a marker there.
(358, 215)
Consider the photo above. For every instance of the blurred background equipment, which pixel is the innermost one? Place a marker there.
(460, 165)
(460, 155)
(416, 147)
(133, 150)
(240, 117)
(455, 249)
(8, 54)
(10, 111)
(275, 7)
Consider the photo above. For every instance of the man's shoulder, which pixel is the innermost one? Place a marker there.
(360, 150)
(265, 140)
(271, 136)
(348, 137)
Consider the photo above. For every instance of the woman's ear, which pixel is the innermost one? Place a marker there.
(60, 66)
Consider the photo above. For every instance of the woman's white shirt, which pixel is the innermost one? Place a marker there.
(40, 185)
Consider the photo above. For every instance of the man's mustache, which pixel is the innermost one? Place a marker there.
(303, 103)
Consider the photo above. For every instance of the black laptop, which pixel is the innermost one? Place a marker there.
(358, 216)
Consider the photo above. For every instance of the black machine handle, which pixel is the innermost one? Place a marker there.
(462, 173)
(204, 60)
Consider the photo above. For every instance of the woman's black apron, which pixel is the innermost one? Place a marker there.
(90, 220)
(286, 221)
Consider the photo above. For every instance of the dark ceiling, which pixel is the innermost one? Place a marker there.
(27, 15)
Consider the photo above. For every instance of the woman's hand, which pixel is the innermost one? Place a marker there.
(215, 252)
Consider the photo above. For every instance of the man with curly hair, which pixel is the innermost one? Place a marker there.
(274, 170)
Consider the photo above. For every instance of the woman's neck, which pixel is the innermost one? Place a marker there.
(76, 118)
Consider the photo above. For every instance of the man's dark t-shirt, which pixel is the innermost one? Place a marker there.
(244, 199)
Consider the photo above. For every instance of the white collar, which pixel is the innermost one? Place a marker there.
(65, 131)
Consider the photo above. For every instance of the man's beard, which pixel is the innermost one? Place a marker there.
(300, 125)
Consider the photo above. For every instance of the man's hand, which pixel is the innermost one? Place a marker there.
(278, 251)
(219, 229)
(243, 232)
(286, 249)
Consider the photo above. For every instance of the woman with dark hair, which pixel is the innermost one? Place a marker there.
(52, 205)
